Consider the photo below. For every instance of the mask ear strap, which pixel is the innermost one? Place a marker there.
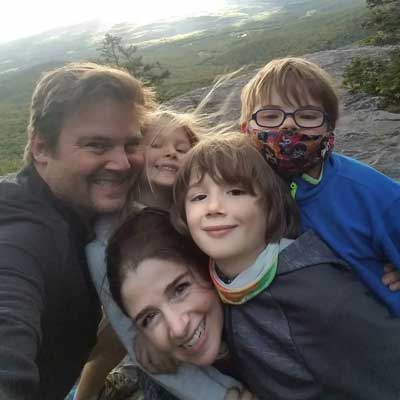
(243, 127)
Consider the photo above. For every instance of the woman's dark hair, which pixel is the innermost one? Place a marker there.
(144, 235)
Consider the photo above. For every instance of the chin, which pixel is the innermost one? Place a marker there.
(107, 207)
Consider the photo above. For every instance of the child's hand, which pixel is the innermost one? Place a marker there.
(391, 277)
(151, 359)
(237, 394)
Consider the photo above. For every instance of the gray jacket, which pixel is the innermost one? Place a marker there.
(315, 333)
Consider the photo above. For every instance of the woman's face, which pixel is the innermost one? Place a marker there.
(176, 310)
(165, 152)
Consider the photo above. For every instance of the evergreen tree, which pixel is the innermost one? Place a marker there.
(113, 52)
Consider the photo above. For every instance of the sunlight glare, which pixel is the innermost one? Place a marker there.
(20, 18)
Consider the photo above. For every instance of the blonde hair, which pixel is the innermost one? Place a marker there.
(165, 118)
(65, 91)
(231, 158)
(291, 78)
(190, 122)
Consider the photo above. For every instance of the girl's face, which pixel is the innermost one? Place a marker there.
(226, 222)
(177, 311)
(165, 152)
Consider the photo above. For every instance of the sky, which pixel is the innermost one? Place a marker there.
(22, 18)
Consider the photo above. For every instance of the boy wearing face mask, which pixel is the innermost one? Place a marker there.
(290, 109)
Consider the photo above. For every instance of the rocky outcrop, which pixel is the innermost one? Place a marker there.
(364, 131)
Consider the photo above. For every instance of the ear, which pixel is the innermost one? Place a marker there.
(40, 152)
(243, 127)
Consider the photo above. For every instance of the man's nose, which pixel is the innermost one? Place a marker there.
(118, 160)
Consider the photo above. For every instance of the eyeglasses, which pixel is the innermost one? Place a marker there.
(307, 117)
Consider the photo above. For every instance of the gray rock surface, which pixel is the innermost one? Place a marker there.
(363, 132)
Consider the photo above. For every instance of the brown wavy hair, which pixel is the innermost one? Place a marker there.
(232, 159)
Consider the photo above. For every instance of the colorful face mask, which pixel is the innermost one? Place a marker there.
(291, 152)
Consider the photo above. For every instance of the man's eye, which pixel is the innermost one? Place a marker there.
(97, 146)
(148, 319)
(132, 147)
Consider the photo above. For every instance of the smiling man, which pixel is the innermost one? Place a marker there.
(81, 158)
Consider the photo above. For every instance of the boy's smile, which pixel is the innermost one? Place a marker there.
(227, 223)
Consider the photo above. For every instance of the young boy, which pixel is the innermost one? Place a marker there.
(290, 108)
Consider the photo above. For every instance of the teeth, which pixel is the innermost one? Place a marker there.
(108, 181)
(104, 183)
(170, 169)
(196, 336)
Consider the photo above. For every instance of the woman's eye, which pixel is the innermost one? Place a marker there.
(181, 288)
(146, 320)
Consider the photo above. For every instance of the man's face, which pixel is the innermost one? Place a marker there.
(96, 158)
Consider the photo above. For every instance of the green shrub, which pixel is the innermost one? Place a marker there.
(376, 77)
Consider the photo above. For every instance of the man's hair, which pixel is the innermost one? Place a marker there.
(65, 91)
(291, 78)
(149, 234)
(232, 159)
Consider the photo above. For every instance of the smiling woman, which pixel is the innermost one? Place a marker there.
(181, 315)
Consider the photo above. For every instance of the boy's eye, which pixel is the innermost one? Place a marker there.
(198, 197)
(237, 192)
(308, 116)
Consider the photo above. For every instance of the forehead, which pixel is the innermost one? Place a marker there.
(164, 130)
(105, 118)
(146, 286)
(292, 98)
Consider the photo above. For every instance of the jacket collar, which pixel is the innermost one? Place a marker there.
(39, 188)
(294, 257)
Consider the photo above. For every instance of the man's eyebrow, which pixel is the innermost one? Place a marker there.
(94, 138)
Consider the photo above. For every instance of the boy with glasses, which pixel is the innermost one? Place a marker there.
(290, 108)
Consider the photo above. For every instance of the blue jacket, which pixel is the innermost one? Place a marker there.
(356, 211)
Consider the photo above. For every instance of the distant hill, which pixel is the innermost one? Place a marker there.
(194, 49)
